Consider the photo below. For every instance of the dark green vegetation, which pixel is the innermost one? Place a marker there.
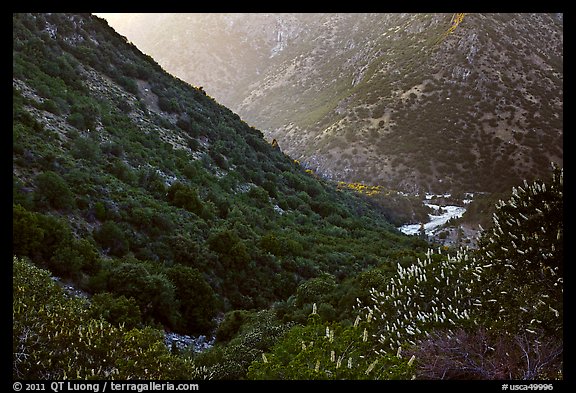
(491, 313)
(384, 99)
(140, 188)
(173, 214)
(55, 337)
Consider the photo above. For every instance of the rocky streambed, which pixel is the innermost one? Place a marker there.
(188, 343)
(436, 229)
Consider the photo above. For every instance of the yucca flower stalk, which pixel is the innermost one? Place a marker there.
(430, 293)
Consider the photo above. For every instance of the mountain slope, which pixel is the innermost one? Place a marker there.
(129, 181)
(416, 102)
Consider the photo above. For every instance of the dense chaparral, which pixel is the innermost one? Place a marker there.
(144, 211)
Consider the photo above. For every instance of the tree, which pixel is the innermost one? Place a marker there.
(198, 305)
(112, 239)
(52, 191)
(180, 195)
(55, 337)
(231, 249)
(27, 235)
(154, 293)
(118, 310)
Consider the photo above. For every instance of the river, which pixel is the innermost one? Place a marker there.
(436, 221)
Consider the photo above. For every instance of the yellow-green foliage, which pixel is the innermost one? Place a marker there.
(329, 351)
(55, 338)
(363, 188)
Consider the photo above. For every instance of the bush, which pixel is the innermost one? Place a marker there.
(328, 351)
(315, 289)
(118, 310)
(485, 355)
(231, 249)
(180, 195)
(154, 293)
(122, 171)
(169, 105)
(259, 196)
(258, 333)
(112, 239)
(51, 106)
(230, 326)
(53, 191)
(55, 337)
(27, 235)
(72, 257)
(150, 180)
(198, 306)
(56, 233)
(523, 260)
(77, 120)
(129, 84)
(85, 149)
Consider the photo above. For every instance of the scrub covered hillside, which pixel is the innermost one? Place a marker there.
(165, 212)
(417, 102)
(161, 204)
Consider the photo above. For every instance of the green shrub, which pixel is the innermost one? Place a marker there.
(53, 191)
(232, 251)
(197, 300)
(55, 337)
(180, 195)
(111, 237)
(27, 234)
(85, 149)
(118, 310)
(230, 325)
(154, 293)
(328, 351)
(73, 257)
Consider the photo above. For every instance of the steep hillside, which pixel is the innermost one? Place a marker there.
(415, 102)
(144, 211)
(131, 182)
